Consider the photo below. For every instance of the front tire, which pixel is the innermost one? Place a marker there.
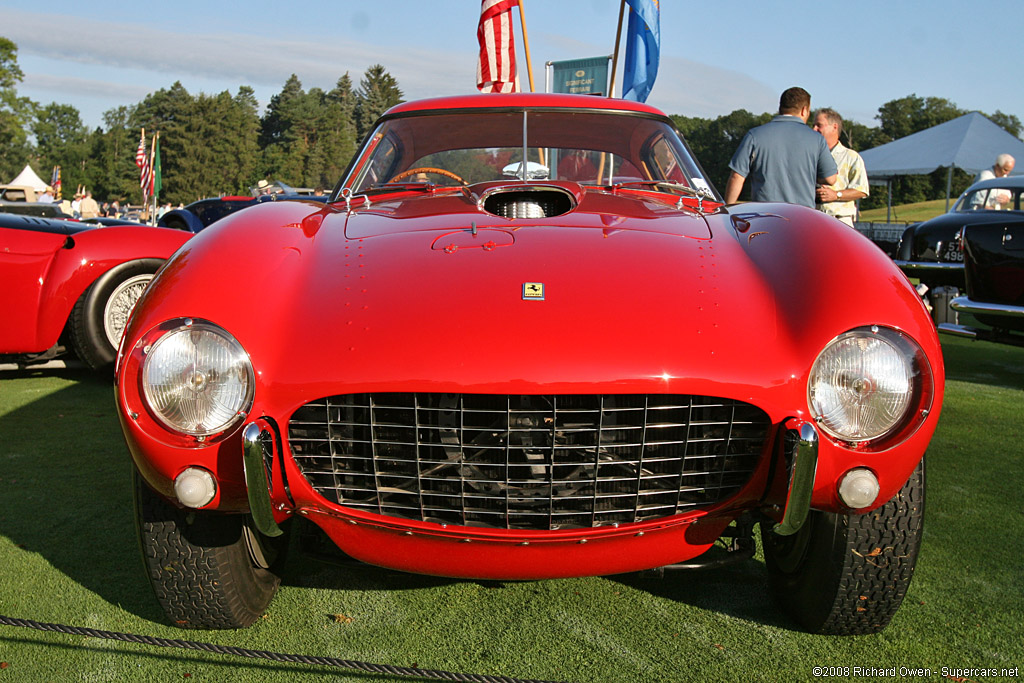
(208, 570)
(101, 313)
(847, 574)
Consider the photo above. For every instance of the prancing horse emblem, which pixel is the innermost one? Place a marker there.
(533, 291)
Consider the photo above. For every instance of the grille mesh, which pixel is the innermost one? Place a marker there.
(526, 462)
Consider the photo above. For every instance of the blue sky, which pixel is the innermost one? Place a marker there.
(716, 57)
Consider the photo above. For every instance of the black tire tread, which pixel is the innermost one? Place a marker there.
(85, 324)
(858, 567)
(199, 565)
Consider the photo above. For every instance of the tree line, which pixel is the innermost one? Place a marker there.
(221, 144)
(209, 144)
(713, 142)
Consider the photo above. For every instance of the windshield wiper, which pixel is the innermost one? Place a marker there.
(662, 185)
(413, 185)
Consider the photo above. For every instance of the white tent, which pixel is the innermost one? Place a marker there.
(29, 177)
(970, 142)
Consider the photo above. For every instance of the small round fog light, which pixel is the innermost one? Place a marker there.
(858, 488)
(195, 487)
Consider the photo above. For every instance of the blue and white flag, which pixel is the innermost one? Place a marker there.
(643, 49)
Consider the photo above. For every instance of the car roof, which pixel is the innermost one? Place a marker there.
(522, 100)
(1007, 181)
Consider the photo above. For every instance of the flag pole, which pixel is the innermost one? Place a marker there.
(142, 145)
(611, 86)
(149, 181)
(615, 56)
(529, 71)
(526, 43)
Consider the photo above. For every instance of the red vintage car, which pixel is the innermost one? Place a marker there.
(469, 366)
(70, 285)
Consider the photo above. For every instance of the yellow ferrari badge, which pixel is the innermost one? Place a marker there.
(533, 291)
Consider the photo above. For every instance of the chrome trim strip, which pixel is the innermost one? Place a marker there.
(967, 305)
(256, 484)
(958, 330)
(801, 480)
(929, 265)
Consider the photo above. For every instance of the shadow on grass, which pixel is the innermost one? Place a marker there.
(980, 362)
(65, 479)
(229, 665)
(739, 590)
(66, 486)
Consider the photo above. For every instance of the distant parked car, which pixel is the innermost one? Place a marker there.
(21, 199)
(930, 251)
(18, 193)
(71, 285)
(994, 268)
(201, 214)
(107, 221)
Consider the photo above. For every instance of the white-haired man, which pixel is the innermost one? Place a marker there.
(1002, 168)
(997, 198)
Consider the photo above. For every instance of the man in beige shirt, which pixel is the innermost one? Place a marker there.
(88, 208)
(839, 199)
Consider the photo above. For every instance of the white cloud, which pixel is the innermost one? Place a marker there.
(65, 86)
(149, 58)
(229, 57)
(696, 89)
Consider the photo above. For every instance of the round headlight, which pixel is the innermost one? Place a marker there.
(863, 384)
(197, 379)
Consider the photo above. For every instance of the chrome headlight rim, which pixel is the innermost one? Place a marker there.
(151, 345)
(919, 398)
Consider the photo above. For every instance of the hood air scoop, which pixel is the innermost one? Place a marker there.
(527, 202)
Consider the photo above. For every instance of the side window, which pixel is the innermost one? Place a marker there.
(663, 162)
(379, 157)
(976, 200)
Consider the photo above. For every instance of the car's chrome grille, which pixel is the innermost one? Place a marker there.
(527, 462)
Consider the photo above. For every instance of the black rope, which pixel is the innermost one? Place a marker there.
(263, 654)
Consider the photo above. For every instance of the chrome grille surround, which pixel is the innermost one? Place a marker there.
(534, 462)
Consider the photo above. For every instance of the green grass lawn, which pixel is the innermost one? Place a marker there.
(918, 211)
(69, 555)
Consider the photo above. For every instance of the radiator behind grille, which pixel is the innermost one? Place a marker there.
(527, 462)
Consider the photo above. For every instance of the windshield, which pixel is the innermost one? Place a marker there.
(471, 147)
(991, 199)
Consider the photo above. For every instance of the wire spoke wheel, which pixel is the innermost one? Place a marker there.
(120, 304)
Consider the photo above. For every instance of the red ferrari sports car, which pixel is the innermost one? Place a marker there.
(70, 284)
(525, 339)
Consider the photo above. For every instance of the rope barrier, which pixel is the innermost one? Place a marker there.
(406, 671)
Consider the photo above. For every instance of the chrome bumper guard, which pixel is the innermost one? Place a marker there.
(256, 481)
(925, 266)
(803, 462)
(955, 330)
(967, 305)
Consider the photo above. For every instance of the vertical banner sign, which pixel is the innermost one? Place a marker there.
(580, 76)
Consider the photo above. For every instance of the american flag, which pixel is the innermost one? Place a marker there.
(496, 69)
(140, 153)
(142, 161)
(55, 182)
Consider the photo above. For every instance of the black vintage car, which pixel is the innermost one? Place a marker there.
(931, 252)
(199, 215)
(994, 268)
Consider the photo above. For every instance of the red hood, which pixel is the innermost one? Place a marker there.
(637, 298)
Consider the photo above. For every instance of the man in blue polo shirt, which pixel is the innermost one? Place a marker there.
(784, 159)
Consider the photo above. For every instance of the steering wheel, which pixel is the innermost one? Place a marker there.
(426, 169)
